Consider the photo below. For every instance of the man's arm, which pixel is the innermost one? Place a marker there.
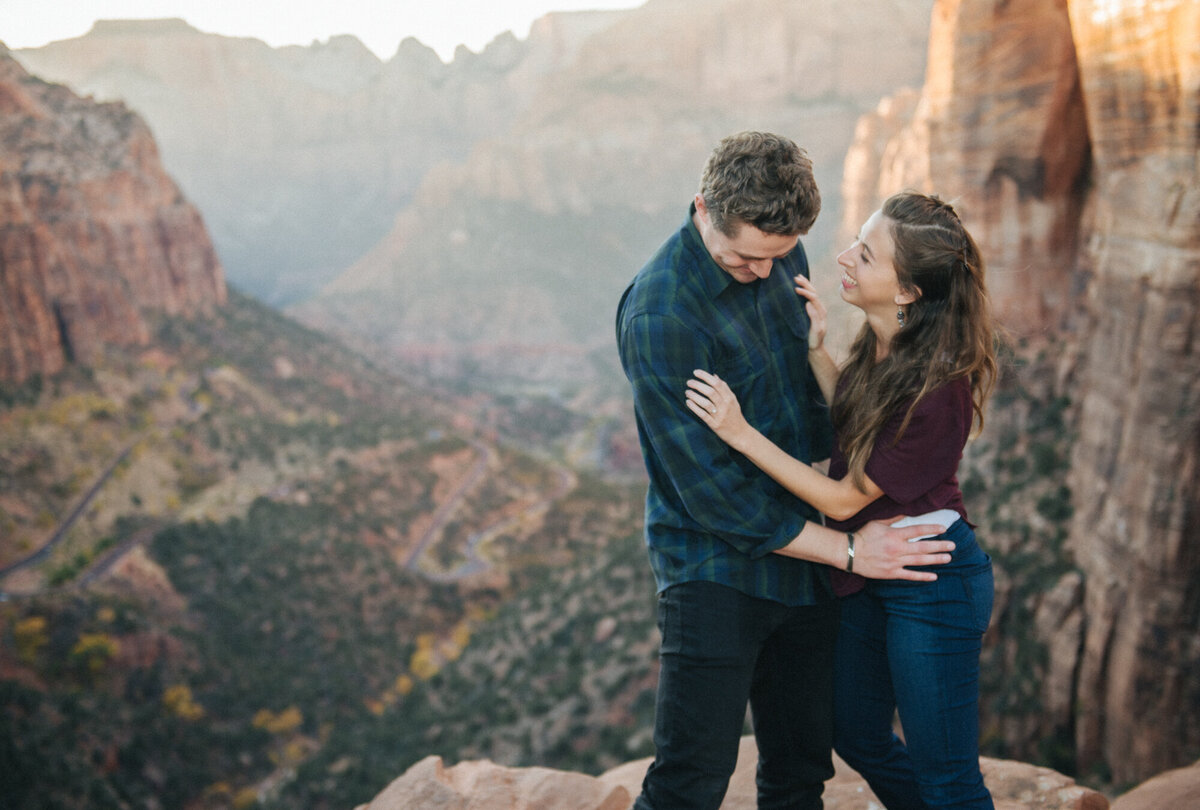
(880, 552)
(720, 495)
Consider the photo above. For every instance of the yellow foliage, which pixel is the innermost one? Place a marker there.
(425, 641)
(34, 625)
(95, 649)
(285, 722)
(78, 407)
(30, 636)
(218, 789)
(106, 615)
(294, 752)
(462, 634)
(178, 701)
(404, 685)
(246, 798)
(423, 664)
(289, 719)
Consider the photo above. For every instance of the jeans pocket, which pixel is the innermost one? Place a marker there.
(668, 622)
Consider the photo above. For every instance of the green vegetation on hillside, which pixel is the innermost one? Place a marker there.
(234, 606)
(301, 574)
(1014, 483)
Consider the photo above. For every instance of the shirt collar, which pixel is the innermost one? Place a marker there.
(710, 275)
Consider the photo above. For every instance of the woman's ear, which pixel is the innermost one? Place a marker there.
(905, 297)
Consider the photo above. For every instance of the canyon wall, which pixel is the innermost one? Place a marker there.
(93, 232)
(999, 129)
(1134, 471)
(1066, 134)
(523, 186)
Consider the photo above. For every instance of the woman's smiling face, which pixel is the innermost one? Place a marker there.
(869, 279)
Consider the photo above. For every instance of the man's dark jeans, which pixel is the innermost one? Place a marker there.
(720, 650)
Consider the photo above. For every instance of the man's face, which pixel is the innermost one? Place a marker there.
(749, 254)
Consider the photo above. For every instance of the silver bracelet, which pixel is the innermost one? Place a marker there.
(850, 553)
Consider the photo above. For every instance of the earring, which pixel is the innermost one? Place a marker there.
(900, 315)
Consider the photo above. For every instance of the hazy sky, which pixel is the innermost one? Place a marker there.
(380, 24)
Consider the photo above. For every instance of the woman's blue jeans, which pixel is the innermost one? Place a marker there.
(914, 647)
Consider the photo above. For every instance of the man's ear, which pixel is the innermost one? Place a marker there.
(701, 208)
(905, 297)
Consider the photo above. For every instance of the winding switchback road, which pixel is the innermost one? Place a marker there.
(65, 525)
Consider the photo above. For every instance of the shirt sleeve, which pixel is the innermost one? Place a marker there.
(931, 447)
(719, 491)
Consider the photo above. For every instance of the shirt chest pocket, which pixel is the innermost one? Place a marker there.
(764, 361)
(795, 329)
(742, 361)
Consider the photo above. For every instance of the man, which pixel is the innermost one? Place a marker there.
(744, 613)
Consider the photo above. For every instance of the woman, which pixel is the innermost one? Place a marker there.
(903, 406)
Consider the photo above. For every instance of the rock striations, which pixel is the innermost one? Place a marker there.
(1136, 466)
(1077, 169)
(93, 233)
(1002, 134)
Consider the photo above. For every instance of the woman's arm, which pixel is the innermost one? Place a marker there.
(819, 358)
(709, 397)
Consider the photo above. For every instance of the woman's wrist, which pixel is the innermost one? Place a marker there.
(742, 440)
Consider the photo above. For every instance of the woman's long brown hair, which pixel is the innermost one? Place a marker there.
(947, 333)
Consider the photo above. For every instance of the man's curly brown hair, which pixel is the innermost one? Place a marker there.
(762, 179)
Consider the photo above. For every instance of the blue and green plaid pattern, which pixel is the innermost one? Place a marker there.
(710, 514)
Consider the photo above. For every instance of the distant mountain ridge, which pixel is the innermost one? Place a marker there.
(511, 261)
(484, 214)
(301, 156)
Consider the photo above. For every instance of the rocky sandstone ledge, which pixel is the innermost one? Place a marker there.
(482, 785)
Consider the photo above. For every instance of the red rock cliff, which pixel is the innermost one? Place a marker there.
(1135, 471)
(93, 233)
(1067, 133)
(999, 128)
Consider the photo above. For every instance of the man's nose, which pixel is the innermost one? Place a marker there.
(761, 267)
